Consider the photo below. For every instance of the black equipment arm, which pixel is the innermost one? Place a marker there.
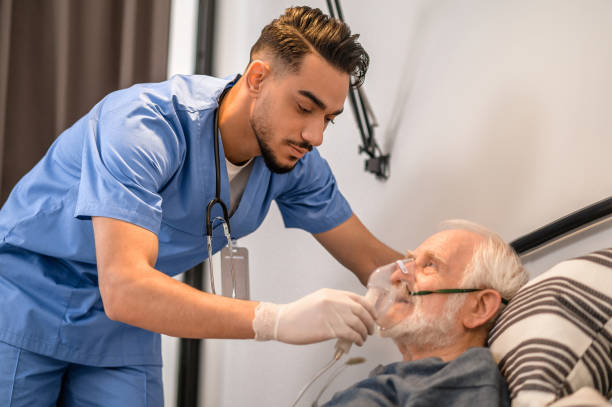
(377, 163)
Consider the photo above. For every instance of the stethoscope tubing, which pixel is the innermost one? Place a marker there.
(217, 199)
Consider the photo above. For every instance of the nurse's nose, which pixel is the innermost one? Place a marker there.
(313, 134)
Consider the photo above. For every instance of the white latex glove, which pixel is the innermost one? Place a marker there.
(324, 314)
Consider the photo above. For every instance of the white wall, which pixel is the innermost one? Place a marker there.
(181, 60)
(494, 111)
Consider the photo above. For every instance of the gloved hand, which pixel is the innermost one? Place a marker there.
(322, 315)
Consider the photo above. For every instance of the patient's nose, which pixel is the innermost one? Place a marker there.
(404, 271)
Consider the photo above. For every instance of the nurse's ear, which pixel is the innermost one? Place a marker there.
(256, 73)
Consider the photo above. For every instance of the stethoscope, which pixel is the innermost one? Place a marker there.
(218, 201)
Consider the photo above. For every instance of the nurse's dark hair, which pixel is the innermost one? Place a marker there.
(303, 30)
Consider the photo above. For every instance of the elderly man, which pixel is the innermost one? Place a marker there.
(451, 289)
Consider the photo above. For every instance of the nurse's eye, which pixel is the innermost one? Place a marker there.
(329, 120)
(302, 109)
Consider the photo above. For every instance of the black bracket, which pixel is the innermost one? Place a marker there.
(378, 166)
(377, 163)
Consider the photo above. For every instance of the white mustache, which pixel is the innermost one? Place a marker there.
(402, 292)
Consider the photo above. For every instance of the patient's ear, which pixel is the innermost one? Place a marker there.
(480, 307)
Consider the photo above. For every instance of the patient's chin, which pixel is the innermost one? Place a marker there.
(387, 333)
(409, 327)
(430, 339)
(422, 330)
(397, 313)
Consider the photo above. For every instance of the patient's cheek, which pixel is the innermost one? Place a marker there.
(397, 312)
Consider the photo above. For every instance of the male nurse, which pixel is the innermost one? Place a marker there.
(91, 237)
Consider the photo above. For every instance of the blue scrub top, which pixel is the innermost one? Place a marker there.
(143, 155)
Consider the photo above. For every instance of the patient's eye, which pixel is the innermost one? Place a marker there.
(430, 265)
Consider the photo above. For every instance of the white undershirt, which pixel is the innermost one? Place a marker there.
(238, 177)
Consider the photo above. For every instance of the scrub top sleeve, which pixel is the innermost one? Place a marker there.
(313, 201)
(129, 154)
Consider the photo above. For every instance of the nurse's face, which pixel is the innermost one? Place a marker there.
(294, 109)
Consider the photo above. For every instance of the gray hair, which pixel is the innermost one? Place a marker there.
(494, 263)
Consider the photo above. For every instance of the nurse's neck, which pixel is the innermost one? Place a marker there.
(239, 142)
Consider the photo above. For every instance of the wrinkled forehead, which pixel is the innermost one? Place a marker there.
(455, 247)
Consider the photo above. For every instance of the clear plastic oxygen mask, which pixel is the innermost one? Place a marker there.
(391, 302)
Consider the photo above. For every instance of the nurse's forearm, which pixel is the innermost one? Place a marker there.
(151, 300)
(135, 293)
(352, 244)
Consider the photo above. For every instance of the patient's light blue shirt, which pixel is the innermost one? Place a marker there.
(143, 155)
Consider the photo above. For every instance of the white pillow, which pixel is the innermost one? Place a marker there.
(585, 397)
(555, 335)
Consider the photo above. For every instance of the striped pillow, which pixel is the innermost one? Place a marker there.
(555, 335)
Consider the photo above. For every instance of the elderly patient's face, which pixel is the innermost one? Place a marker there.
(439, 262)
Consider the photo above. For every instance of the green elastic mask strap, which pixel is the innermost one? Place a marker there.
(453, 291)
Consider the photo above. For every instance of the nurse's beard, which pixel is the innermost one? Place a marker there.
(261, 131)
(425, 330)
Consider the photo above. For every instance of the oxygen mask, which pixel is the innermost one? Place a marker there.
(392, 302)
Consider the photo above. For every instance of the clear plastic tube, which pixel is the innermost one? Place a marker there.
(315, 377)
(351, 361)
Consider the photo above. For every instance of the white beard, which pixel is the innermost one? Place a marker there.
(424, 330)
